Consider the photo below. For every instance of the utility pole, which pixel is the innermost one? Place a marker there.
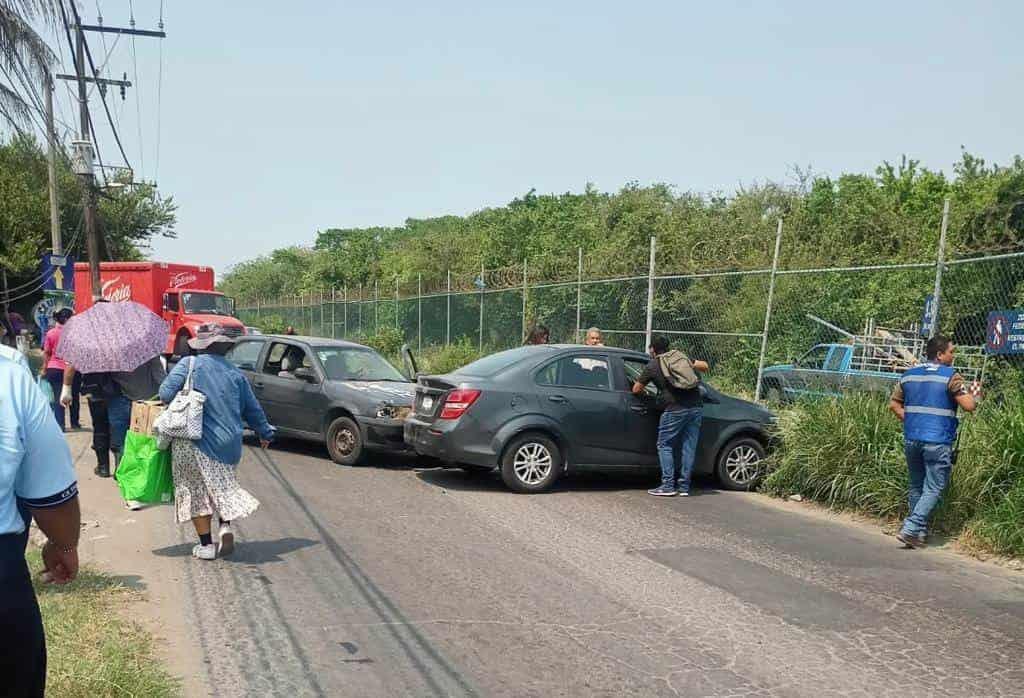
(84, 147)
(51, 167)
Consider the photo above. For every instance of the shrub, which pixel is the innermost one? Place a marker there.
(388, 341)
(448, 358)
(271, 324)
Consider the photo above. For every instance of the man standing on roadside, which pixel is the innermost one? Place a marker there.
(594, 338)
(926, 400)
(679, 427)
(36, 479)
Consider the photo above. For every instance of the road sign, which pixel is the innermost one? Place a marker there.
(1005, 334)
(58, 272)
(928, 317)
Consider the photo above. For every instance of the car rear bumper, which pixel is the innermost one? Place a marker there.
(383, 434)
(442, 440)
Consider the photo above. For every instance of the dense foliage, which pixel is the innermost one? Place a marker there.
(892, 215)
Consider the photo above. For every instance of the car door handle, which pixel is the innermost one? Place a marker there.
(639, 409)
(556, 398)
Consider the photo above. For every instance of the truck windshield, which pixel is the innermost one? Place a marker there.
(207, 303)
(342, 364)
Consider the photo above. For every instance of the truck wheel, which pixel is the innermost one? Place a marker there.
(181, 348)
(344, 441)
(531, 463)
(741, 464)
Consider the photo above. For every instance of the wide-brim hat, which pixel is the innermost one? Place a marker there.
(209, 335)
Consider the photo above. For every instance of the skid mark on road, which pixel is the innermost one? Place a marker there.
(439, 675)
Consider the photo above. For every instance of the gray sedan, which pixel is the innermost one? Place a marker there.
(343, 394)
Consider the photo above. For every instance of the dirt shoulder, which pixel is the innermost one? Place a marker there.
(121, 543)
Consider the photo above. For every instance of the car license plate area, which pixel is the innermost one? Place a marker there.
(425, 404)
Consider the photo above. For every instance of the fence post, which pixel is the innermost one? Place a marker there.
(376, 304)
(579, 289)
(939, 266)
(334, 304)
(525, 293)
(650, 295)
(482, 284)
(448, 314)
(322, 333)
(397, 324)
(768, 312)
(359, 307)
(344, 311)
(419, 314)
(258, 315)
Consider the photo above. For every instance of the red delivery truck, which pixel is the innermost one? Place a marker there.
(182, 294)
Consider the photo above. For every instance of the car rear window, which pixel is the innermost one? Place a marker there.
(490, 365)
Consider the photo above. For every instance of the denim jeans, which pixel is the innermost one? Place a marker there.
(678, 432)
(55, 377)
(119, 412)
(929, 466)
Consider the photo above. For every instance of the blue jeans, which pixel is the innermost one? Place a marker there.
(678, 432)
(929, 466)
(119, 412)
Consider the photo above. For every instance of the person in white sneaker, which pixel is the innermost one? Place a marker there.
(204, 470)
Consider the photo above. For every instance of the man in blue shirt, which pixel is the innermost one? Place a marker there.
(37, 479)
(926, 400)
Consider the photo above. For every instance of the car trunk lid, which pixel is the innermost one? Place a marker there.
(430, 395)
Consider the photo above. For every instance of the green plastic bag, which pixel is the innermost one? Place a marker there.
(144, 473)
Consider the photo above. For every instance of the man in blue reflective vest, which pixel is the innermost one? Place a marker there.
(926, 400)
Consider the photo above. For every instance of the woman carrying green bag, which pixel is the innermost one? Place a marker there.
(204, 470)
(144, 474)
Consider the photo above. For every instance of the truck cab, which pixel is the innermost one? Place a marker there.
(186, 310)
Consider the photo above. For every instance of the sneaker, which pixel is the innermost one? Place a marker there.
(227, 540)
(132, 504)
(663, 491)
(684, 493)
(205, 552)
(908, 540)
(102, 471)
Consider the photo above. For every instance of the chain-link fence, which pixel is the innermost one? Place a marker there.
(740, 321)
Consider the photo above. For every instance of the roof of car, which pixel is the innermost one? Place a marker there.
(313, 341)
(617, 350)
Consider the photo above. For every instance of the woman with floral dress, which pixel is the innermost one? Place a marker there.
(204, 470)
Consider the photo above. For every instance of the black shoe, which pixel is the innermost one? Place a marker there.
(909, 541)
(102, 471)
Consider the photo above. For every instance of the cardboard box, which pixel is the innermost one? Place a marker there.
(144, 414)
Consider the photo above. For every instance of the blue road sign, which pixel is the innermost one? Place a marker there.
(58, 272)
(928, 317)
(1005, 334)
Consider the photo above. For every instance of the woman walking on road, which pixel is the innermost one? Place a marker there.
(204, 470)
(53, 371)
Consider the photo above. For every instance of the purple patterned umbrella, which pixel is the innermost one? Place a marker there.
(112, 337)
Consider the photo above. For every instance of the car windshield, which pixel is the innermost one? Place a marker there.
(344, 364)
(208, 304)
(497, 362)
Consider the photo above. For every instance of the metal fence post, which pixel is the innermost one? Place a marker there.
(482, 284)
(334, 304)
(650, 295)
(939, 266)
(376, 304)
(448, 314)
(344, 311)
(579, 289)
(322, 333)
(525, 294)
(768, 311)
(397, 324)
(359, 308)
(419, 313)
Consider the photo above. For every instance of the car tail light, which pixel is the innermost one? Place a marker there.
(457, 402)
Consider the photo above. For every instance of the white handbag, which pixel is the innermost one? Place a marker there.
(183, 418)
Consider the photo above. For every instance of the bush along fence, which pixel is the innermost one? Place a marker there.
(740, 320)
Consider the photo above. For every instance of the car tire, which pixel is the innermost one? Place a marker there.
(345, 441)
(531, 463)
(181, 348)
(740, 464)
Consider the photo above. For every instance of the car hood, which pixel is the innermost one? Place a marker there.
(373, 393)
(778, 367)
(739, 408)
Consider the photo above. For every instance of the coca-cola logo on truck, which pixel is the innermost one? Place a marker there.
(114, 293)
(183, 278)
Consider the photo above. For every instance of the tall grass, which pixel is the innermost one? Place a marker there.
(848, 453)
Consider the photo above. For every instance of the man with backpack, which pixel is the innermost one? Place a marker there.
(675, 376)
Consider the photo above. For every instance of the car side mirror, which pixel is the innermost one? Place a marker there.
(305, 374)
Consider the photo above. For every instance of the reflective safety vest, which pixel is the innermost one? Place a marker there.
(930, 409)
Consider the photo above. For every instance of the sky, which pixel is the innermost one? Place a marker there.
(278, 119)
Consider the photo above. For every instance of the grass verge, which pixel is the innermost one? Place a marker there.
(848, 454)
(91, 649)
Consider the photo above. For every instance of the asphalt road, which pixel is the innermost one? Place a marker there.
(391, 581)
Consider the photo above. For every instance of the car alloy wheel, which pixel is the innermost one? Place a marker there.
(743, 464)
(532, 463)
